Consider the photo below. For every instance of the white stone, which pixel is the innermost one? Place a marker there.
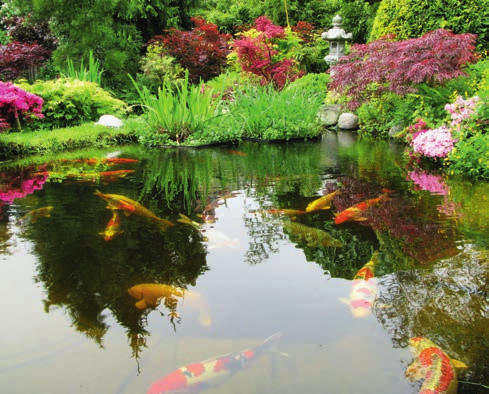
(348, 121)
(109, 121)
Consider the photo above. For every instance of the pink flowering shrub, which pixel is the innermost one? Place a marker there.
(436, 143)
(16, 103)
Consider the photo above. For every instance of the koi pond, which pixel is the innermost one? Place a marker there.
(316, 267)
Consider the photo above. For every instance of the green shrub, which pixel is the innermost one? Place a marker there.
(413, 18)
(91, 74)
(69, 102)
(158, 67)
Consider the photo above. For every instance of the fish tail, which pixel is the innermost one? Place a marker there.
(98, 193)
(187, 220)
(270, 344)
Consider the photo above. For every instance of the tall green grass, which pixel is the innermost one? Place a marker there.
(175, 115)
(92, 74)
(265, 113)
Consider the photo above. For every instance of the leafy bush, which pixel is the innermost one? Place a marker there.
(20, 60)
(158, 67)
(16, 103)
(268, 52)
(69, 102)
(386, 65)
(312, 50)
(202, 51)
(413, 18)
(28, 31)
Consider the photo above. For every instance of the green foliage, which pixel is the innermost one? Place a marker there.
(264, 113)
(69, 102)
(379, 114)
(51, 141)
(413, 18)
(92, 74)
(311, 54)
(470, 156)
(159, 68)
(175, 115)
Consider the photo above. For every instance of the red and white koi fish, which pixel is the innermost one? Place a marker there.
(116, 201)
(323, 202)
(194, 378)
(357, 211)
(433, 365)
(113, 228)
(363, 289)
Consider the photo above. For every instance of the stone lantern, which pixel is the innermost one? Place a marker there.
(337, 38)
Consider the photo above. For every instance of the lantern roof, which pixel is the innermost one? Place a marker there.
(337, 33)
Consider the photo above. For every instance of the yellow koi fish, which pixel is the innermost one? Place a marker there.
(113, 227)
(434, 366)
(322, 202)
(313, 237)
(116, 201)
(151, 294)
(34, 215)
(186, 220)
(363, 289)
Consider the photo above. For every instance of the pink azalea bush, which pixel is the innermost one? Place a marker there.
(16, 103)
(438, 143)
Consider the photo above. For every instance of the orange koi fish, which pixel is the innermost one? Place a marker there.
(118, 160)
(313, 237)
(210, 373)
(34, 215)
(363, 289)
(356, 212)
(116, 173)
(151, 294)
(236, 152)
(113, 227)
(116, 201)
(323, 202)
(434, 366)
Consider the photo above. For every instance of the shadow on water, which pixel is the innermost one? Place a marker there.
(177, 219)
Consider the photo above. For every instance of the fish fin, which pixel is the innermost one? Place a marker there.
(344, 300)
(127, 213)
(33, 220)
(186, 220)
(141, 304)
(360, 219)
(458, 364)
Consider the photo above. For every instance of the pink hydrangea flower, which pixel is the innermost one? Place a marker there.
(432, 183)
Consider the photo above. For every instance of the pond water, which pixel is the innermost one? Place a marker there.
(99, 300)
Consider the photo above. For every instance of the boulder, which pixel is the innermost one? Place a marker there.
(395, 130)
(329, 113)
(348, 121)
(109, 121)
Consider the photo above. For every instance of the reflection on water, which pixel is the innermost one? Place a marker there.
(187, 254)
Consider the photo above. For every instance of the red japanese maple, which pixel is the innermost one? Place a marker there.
(18, 58)
(202, 51)
(258, 55)
(398, 66)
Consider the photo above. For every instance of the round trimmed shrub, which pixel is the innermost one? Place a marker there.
(413, 18)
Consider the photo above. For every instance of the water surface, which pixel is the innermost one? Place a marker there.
(242, 274)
